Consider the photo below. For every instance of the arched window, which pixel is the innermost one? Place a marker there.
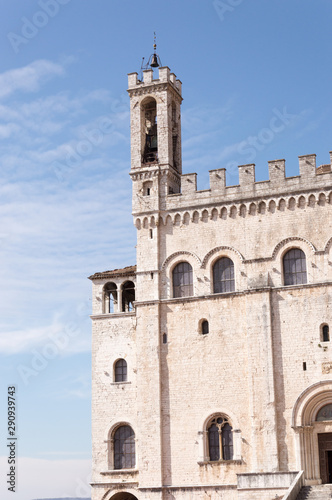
(120, 371)
(128, 296)
(110, 298)
(325, 335)
(220, 439)
(223, 276)
(183, 280)
(295, 270)
(149, 131)
(124, 448)
(204, 327)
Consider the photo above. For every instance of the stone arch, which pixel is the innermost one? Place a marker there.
(114, 424)
(214, 214)
(205, 216)
(310, 402)
(219, 411)
(301, 202)
(233, 212)
(307, 428)
(223, 213)
(174, 256)
(243, 210)
(168, 267)
(291, 203)
(311, 201)
(120, 495)
(272, 206)
(328, 246)
(282, 205)
(284, 244)
(322, 200)
(195, 217)
(186, 218)
(145, 223)
(177, 220)
(168, 220)
(138, 223)
(219, 250)
(252, 209)
(262, 207)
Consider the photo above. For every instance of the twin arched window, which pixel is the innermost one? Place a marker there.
(114, 298)
(220, 439)
(295, 269)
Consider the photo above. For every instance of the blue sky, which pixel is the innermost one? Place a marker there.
(256, 86)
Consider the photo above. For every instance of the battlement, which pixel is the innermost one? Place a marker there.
(310, 178)
(165, 76)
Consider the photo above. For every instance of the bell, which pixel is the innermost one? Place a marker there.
(154, 61)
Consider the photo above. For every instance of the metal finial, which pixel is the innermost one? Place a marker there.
(154, 60)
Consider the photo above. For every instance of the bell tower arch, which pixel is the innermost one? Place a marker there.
(155, 127)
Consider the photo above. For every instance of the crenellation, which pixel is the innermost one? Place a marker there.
(310, 179)
(307, 164)
(189, 184)
(246, 176)
(217, 179)
(147, 76)
(132, 80)
(164, 74)
(277, 171)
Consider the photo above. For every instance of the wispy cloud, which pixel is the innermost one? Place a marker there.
(29, 78)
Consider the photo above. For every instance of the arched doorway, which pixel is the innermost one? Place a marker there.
(123, 496)
(312, 422)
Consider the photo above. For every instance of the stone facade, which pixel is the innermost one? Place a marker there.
(265, 364)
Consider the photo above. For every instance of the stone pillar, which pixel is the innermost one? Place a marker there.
(237, 444)
(201, 454)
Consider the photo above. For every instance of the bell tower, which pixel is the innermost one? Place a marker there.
(155, 126)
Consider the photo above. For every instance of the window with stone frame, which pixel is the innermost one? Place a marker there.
(204, 327)
(182, 280)
(120, 371)
(325, 333)
(223, 276)
(220, 439)
(294, 267)
(124, 448)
